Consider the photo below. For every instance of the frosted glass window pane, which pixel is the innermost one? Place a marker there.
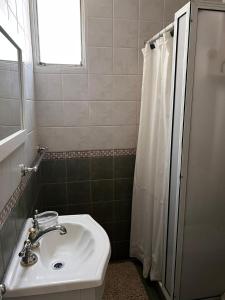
(7, 50)
(59, 23)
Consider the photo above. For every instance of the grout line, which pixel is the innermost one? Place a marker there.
(113, 38)
(114, 185)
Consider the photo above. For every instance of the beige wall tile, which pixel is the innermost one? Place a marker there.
(48, 86)
(50, 113)
(125, 33)
(100, 8)
(100, 32)
(76, 113)
(52, 137)
(125, 61)
(30, 115)
(76, 138)
(100, 60)
(100, 87)
(74, 86)
(126, 87)
(125, 137)
(126, 9)
(113, 113)
(101, 137)
(151, 10)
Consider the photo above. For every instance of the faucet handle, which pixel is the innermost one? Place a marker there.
(26, 247)
(28, 257)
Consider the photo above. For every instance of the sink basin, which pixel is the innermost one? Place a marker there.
(75, 261)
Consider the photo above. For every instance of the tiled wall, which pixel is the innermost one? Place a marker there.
(99, 186)
(14, 18)
(97, 107)
(11, 229)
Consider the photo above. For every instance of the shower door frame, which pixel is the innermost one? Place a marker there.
(193, 9)
(184, 12)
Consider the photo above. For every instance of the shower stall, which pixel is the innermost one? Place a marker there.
(194, 248)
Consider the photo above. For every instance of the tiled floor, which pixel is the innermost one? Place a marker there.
(124, 282)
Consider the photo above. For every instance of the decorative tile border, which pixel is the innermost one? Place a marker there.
(88, 154)
(4, 214)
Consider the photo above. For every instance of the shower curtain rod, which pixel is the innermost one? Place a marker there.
(169, 28)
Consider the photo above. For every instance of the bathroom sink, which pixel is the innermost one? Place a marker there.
(74, 261)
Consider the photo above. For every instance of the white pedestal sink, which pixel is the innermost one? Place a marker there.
(70, 266)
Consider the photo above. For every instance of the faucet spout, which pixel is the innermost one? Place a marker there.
(34, 237)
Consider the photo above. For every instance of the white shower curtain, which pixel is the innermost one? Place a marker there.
(151, 177)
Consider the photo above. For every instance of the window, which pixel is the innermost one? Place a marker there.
(58, 32)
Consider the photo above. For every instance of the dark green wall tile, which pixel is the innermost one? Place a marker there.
(79, 192)
(103, 212)
(53, 194)
(109, 228)
(78, 169)
(122, 249)
(20, 216)
(53, 171)
(102, 190)
(122, 231)
(30, 196)
(113, 251)
(102, 168)
(26, 199)
(84, 208)
(60, 209)
(124, 166)
(8, 239)
(123, 189)
(123, 210)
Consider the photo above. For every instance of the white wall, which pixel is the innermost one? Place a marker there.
(98, 107)
(14, 18)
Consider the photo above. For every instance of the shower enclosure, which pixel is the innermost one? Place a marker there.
(194, 264)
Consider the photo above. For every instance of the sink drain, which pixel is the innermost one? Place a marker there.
(58, 265)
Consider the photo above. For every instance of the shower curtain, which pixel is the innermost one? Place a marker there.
(151, 177)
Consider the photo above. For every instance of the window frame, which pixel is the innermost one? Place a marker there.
(35, 38)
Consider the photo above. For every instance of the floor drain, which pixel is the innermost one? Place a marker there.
(58, 266)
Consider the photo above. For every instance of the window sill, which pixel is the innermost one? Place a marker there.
(60, 69)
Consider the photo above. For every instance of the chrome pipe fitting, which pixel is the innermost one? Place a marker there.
(2, 290)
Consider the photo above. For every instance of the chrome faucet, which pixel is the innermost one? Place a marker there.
(35, 234)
